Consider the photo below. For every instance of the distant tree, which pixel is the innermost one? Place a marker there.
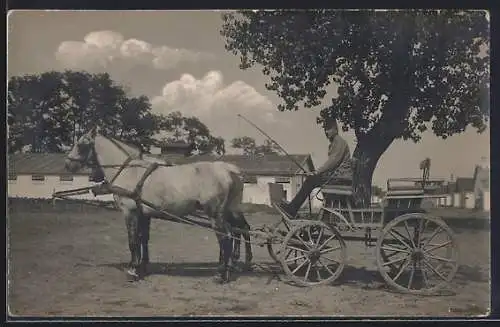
(190, 130)
(398, 72)
(249, 147)
(48, 111)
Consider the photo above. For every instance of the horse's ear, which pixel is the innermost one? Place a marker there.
(95, 130)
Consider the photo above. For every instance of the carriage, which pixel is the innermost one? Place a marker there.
(415, 252)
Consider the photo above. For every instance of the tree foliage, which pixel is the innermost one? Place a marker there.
(398, 73)
(399, 69)
(249, 147)
(191, 130)
(48, 111)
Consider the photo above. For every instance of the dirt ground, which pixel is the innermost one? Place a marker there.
(72, 264)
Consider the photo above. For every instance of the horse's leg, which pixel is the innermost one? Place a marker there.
(223, 233)
(145, 226)
(236, 237)
(246, 235)
(132, 222)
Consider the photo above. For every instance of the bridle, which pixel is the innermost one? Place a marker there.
(87, 160)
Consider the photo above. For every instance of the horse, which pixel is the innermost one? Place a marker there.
(237, 219)
(144, 189)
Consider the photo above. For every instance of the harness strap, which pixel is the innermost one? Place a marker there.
(137, 192)
(122, 167)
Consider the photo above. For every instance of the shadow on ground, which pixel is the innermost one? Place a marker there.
(195, 269)
(366, 279)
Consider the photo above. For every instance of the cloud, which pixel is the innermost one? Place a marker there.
(215, 103)
(100, 49)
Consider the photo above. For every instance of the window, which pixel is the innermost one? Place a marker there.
(38, 178)
(282, 180)
(66, 178)
(12, 177)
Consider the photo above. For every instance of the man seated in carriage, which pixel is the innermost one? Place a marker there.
(336, 170)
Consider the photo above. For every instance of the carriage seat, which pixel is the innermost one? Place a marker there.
(405, 191)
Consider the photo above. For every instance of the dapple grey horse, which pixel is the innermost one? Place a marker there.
(145, 189)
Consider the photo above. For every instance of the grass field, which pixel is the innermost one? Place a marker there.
(71, 263)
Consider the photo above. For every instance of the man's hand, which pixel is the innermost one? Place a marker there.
(311, 173)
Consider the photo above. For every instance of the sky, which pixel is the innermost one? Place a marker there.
(177, 59)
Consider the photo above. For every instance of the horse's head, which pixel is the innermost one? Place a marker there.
(83, 152)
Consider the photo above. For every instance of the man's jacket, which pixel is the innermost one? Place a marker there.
(339, 164)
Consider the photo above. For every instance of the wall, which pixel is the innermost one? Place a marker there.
(469, 200)
(457, 202)
(259, 193)
(27, 188)
(486, 201)
(446, 201)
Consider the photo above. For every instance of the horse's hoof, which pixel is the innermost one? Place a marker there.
(221, 278)
(218, 279)
(132, 275)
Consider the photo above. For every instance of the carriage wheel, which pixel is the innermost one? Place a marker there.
(313, 253)
(417, 254)
(274, 248)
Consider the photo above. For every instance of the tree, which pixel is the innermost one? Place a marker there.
(249, 147)
(49, 111)
(190, 130)
(398, 73)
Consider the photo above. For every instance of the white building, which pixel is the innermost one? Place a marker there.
(482, 187)
(38, 175)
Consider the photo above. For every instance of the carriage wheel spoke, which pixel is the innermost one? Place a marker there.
(319, 237)
(310, 235)
(421, 228)
(302, 240)
(403, 267)
(306, 276)
(318, 274)
(436, 231)
(434, 269)
(395, 261)
(410, 280)
(327, 240)
(296, 258)
(332, 260)
(399, 237)
(409, 235)
(326, 267)
(424, 277)
(288, 254)
(436, 257)
(390, 248)
(435, 247)
(330, 249)
(299, 266)
(296, 249)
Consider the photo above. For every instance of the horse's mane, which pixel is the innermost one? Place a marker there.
(127, 145)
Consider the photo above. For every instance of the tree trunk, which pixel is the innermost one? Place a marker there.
(366, 156)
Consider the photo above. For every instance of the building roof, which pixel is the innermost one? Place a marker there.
(464, 184)
(53, 163)
(271, 164)
(39, 163)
